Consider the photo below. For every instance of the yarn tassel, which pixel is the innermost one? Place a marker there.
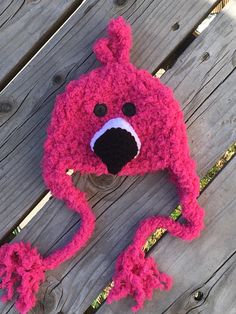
(21, 273)
(137, 276)
(22, 268)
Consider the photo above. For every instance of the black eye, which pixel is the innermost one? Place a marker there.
(129, 109)
(100, 110)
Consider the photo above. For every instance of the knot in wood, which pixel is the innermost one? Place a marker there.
(120, 2)
(175, 26)
(57, 79)
(5, 107)
(104, 181)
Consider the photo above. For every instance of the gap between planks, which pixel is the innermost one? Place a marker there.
(162, 232)
(39, 206)
(211, 267)
(55, 290)
(45, 198)
(229, 77)
(32, 104)
(18, 61)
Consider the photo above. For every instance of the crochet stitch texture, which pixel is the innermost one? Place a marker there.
(156, 132)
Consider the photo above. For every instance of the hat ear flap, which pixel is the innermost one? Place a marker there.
(115, 48)
(22, 267)
(133, 269)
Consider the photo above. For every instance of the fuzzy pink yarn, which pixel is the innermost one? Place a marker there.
(21, 269)
(158, 123)
(137, 276)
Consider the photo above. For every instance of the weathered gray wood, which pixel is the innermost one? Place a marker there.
(92, 268)
(116, 223)
(208, 264)
(24, 27)
(29, 98)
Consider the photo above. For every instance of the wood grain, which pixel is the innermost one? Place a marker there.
(24, 27)
(116, 223)
(30, 96)
(206, 265)
(73, 286)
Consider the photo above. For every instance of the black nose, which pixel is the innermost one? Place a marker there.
(116, 147)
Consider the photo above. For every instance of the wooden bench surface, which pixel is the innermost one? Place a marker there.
(207, 265)
(203, 79)
(25, 26)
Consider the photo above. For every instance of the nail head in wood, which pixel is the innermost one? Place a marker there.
(198, 296)
(205, 56)
(175, 26)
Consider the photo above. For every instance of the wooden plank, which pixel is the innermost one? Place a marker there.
(25, 26)
(116, 223)
(207, 265)
(117, 212)
(28, 100)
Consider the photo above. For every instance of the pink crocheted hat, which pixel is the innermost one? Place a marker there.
(121, 120)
